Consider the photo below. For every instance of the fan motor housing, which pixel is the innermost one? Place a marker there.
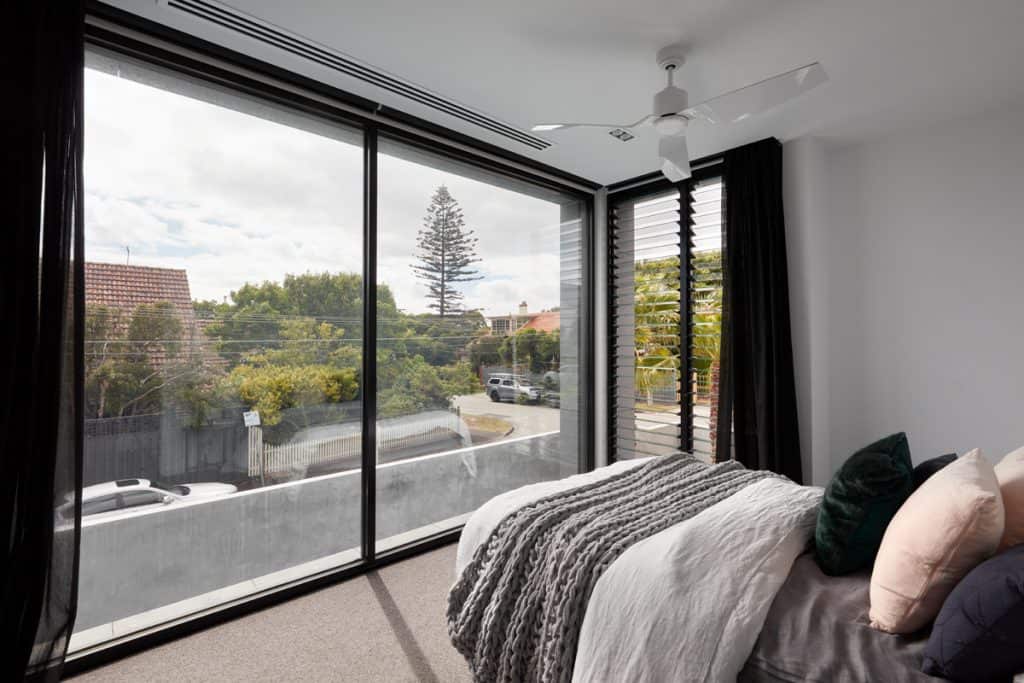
(671, 100)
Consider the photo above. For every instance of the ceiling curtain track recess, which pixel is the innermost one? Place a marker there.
(41, 346)
(757, 382)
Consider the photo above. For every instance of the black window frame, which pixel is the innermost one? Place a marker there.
(116, 31)
(638, 188)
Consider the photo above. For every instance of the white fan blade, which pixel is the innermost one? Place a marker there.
(546, 127)
(675, 157)
(759, 97)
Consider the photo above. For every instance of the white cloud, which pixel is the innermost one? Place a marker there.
(233, 198)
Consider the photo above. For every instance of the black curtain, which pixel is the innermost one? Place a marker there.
(756, 382)
(41, 343)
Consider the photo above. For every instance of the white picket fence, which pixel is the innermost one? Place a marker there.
(392, 435)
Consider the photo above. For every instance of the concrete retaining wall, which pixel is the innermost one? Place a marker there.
(145, 562)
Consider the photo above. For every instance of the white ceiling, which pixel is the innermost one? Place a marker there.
(892, 63)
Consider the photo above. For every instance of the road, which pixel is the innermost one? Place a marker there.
(526, 419)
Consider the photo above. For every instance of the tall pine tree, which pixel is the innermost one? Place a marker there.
(446, 251)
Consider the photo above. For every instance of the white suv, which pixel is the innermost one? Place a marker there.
(126, 497)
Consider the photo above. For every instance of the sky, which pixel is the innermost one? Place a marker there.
(232, 198)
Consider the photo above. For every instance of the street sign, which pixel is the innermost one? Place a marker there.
(251, 418)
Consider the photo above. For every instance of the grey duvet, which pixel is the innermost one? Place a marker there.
(817, 630)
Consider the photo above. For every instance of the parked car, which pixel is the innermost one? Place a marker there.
(126, 497)
(502, 386)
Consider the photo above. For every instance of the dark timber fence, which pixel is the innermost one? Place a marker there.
(160, 447)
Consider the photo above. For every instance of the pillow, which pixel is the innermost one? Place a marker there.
(859, 502)
(979, 633)
(950, 525)
(1010, 473)
(930, 467)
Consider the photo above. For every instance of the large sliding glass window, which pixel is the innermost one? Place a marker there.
(480, 284)
(226, 305)
(223, 329)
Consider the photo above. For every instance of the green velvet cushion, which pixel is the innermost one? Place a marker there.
(859, 503)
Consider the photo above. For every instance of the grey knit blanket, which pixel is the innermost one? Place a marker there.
(515, 612)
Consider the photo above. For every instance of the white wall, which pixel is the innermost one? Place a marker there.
(907, 278)
(805, 204)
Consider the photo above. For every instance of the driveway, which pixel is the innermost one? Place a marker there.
(526, 419)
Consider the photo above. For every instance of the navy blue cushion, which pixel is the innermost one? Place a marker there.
(979, 633)
(930, 467)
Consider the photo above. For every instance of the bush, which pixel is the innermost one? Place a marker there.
(411, 385)
(271, 389)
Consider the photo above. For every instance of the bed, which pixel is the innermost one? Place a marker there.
(728, 593)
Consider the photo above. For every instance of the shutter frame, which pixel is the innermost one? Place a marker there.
(649, 225)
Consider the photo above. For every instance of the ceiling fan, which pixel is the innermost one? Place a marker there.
(672, 112)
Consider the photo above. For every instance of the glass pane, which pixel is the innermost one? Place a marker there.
(223, 332)
(478, 339)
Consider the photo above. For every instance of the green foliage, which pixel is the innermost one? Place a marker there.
(538, 351)
(199, 391)
(707, 315)
(410, 385)
(273, 389)
(485, 350)
(441, 341)
(155, 329)
(121, 377)
(113, 389)
(258, 316)
(290, 350)
(657, 306)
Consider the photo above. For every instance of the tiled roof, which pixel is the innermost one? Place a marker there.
(548, 321)
(127, 287)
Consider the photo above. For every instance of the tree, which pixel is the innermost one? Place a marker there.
(126, 361)
(657, 309)
(447, 252)
(656, 335)
(259, 315)
(409, 385)
(707, 316)
(536, 350)
(485, 350)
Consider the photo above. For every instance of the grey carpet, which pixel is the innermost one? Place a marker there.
(388, 625)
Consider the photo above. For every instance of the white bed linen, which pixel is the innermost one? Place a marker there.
(688, 603)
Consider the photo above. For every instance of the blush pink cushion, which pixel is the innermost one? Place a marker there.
(1010, 473)
(948, 526)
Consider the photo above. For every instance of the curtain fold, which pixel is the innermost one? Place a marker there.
(757, 382)
(41, 347)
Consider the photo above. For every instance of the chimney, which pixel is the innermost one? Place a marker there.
(522, 308)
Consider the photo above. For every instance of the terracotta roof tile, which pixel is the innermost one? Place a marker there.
(548, 321)
(127, 287)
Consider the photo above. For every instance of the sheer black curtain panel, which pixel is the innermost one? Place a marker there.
(41, 346)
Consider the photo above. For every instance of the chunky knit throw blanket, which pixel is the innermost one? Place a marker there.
(515, 612)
